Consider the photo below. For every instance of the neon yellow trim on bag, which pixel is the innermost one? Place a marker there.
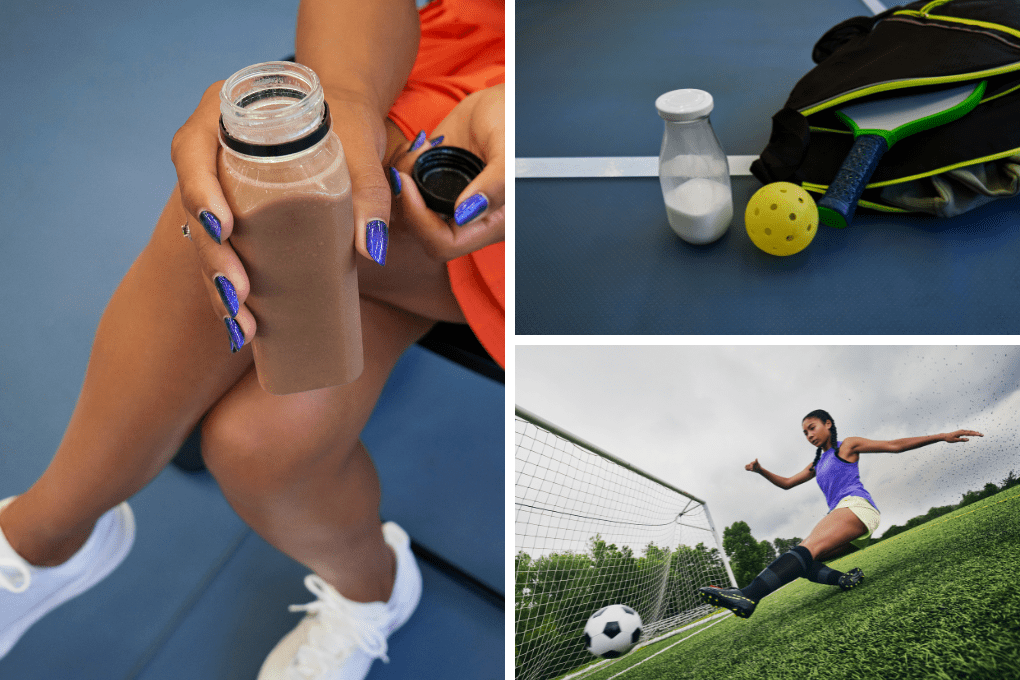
(814, 128)
(929, 7)
(822, 188)
(955, 166)
(956, 20)
(901, 84)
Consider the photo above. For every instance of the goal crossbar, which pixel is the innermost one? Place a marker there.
(574, 439)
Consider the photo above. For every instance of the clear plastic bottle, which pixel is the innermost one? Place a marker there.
(285, 177)
(693, 171)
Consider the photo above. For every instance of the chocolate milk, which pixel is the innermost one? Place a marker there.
(294, 234)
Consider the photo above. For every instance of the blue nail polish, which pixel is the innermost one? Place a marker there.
(211, 224)
(377, 236)
(236, 335)
(418, 141)
(228, 294)
(438, 140)
(469, 209)
(394, 178)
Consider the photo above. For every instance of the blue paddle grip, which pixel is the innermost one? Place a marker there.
(842, 195)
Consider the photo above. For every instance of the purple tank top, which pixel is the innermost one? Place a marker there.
(839, 479)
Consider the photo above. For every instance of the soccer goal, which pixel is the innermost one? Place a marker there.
(592, 530)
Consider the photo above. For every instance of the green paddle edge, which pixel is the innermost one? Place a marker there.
(834, 219)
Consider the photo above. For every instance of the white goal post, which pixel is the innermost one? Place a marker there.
(593, 530)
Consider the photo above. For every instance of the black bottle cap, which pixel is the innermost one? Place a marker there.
(441, 173)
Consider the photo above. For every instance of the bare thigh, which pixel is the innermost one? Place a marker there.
(249, 426)
(834, 531)
(410, 280)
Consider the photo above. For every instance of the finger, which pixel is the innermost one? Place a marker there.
(440, 239)
(224, 274)
(405, 157)
(194, 152)
(485, 194)
(240, 329)
(371, 196)
(237, 318)
(226, 282)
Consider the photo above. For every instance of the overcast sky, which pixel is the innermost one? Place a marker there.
(694, 416)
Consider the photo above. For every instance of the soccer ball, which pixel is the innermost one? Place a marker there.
(612, 631)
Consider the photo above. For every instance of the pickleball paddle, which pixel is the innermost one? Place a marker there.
(879, 124)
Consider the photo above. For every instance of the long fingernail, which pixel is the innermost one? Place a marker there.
(438, 140)
(228, 294)
(394, 178)
(469, 209)
(418, 141)
(236, 335)
(377, 236)
(211, 224)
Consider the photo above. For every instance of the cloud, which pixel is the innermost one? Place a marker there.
(695, 415)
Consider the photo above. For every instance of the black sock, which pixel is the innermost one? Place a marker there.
(819, 573)
(787, 567)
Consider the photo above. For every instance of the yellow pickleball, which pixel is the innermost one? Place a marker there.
(781, 218)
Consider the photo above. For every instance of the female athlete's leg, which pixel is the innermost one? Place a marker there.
(832, 535)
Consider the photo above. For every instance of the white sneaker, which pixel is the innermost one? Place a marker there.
(339, 639)
(27, 593)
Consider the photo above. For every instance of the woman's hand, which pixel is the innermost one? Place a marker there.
(362, 132)
(753, 466)
(194, 152)
(960, 436)
(476, 124)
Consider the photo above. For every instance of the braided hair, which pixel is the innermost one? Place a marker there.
(822, 416)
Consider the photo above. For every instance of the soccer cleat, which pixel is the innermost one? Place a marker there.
(27, 592)
(728, 598)
(339, 639)
(851, 579)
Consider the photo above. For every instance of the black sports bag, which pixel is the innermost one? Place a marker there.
(937, 43)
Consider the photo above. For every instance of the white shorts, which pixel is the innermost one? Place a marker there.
(865, 512)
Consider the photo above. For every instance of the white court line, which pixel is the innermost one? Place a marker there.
(608, 166)
(624, 166)
(875, 6)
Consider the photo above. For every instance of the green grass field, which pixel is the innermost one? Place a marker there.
(940, 601)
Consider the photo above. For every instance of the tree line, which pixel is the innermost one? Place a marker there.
(748, 556)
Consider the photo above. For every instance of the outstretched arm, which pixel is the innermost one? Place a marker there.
(782, 482)
(861, 445)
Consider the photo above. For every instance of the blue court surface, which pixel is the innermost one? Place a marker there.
(597, 256)
(94, 94)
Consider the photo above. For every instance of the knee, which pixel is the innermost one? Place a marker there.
(264, 453)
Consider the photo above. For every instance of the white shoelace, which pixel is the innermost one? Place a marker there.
(340, 627)
(17, 585)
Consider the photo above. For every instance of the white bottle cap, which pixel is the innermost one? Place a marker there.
(684, 105)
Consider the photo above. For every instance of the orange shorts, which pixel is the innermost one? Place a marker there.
(461, 51)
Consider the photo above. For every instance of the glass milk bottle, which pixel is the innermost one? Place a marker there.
(284, 175)
(693, 171)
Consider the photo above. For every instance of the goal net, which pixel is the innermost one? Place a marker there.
(592, 530)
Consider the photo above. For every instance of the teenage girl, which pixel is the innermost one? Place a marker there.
(853, 515)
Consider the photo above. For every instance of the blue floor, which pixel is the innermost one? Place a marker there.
(597, 256)
(95, 93)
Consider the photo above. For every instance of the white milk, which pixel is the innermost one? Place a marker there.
(699, 210)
